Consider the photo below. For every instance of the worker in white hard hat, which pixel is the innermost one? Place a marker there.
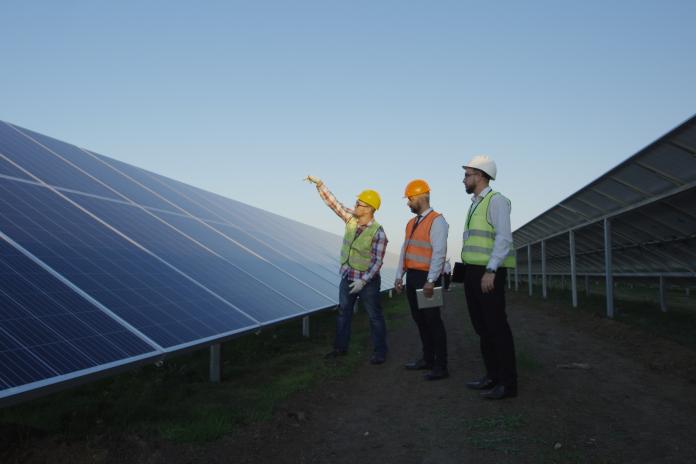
(486, 252)
(362, 255)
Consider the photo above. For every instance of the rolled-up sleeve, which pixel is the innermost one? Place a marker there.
(331, 201)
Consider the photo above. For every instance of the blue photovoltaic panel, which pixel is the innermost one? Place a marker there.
(158, 301)
(144, 178)
(307, 257)
(45, 165)
(96, 168)
(300, 288)
(270, 229)
(13, 143)
(180, 267)
(48, 331)
(223, 277)
(323, 281)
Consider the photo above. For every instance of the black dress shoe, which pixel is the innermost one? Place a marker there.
(335, 354)
(378, 358)
(500, 392)
(419, 365)
(437, 373)
(484, 383)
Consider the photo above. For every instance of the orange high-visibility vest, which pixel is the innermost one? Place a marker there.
(419, 250)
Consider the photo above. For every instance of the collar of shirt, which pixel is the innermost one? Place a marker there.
(365, 226)
(425, 213)
(484, 192)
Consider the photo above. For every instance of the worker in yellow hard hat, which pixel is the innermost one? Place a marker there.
(362, 254)
(422, 261)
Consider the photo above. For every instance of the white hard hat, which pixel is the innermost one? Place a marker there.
(483, 163)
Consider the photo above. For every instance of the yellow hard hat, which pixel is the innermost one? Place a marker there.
(416, 187)
(371, 198)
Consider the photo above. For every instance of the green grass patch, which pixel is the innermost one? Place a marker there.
(496, 433)
(636, 306)
(177, 402)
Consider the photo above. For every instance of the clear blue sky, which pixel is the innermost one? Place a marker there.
(247, 98)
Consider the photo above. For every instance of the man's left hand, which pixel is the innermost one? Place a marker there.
(356, 286)
(487, 282)
(428, 289)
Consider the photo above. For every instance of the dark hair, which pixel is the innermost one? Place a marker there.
(484, 174)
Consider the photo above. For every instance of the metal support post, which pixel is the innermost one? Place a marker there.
(609, 277)
(529, 268)
(517, 275)
(573, 270)
(663, 296)
(215, 363)
(544, 292)
(305, 326)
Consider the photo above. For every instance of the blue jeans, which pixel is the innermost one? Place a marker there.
(369, 296)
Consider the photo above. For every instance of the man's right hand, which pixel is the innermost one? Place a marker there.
(398, 286)
(314, 180)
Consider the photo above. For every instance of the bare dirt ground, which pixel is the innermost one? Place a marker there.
(632, 400)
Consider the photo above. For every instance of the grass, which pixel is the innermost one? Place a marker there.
(177, 402)
(635, 305)
(497, 433)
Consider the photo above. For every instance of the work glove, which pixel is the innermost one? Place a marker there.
(356, 286)
(314, 180)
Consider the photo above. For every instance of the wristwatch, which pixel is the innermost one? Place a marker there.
(489, 270)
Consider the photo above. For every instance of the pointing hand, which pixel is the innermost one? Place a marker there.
(314, 180)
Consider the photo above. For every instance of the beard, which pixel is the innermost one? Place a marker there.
(469, 189)
(414, 210)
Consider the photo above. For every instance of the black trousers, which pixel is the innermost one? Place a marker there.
(430, 325)
(488, 316)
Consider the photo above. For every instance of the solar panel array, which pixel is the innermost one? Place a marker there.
(649, 200)
(103, 264)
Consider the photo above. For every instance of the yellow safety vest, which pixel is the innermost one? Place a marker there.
(357, 251)
(478, 246)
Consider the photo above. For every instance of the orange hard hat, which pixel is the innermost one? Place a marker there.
(416, 187)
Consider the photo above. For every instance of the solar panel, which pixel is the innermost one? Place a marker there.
(151, 295)
(48, 332)
(104, 264)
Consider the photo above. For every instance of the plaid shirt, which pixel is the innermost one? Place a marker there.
(379, 241)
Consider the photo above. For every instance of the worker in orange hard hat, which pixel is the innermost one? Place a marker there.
(422, 261)
(362, 254)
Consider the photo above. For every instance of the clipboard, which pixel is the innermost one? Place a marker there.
(424, 303)
(458, 273)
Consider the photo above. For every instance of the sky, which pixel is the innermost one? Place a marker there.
(246, 98)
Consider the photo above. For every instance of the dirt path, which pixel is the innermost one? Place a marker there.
(635, 403)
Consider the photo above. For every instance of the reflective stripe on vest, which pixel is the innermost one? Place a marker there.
(357, 251)
(478, 246)
(419, 249)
